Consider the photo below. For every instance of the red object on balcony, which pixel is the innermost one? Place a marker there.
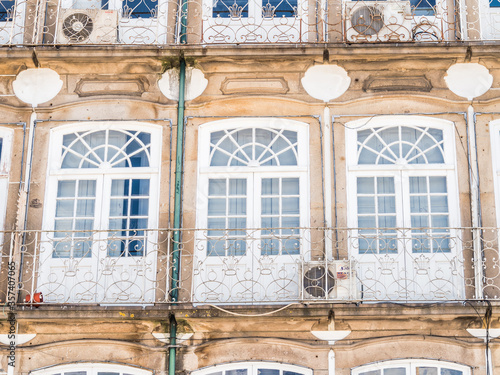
(37, 297)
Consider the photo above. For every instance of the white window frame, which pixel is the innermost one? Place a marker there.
(205, 171)
(5, 161)
(55, 173)
(410, 365)
(260, 27)
(354, 170)
(92, 368)
(381, 272)
(252, 368)
(248, 262)
(50, 264)
(14, 29)
(489, 18)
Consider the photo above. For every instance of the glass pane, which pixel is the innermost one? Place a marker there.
(373, 372)
(287, 158)
(63, 225)
(85, 207)
(86, 188)
(387, 221)
(118, 207)
(64, 208)
(366, 205)
(426, 371)
(236, 372)
(367, 222)
(237, 223)
(419, 221)
(439, 204)
(216, 223)
(6, 13)
(386, 205)
(281, 8)
(66, 189)
(118, 224)
(267, 371)
(290, 222)
(119, 188)
(290, 186)
(437, 184)
(138, 224)
(270, 186)
(216, 207)
(290, 206)
(270, 222)
(237, 186)
(84, 225)
(217, 187)
(140, 8)
(216, 247)
(439, 221)
(237, 206)
(419, 204)
(385, 185)
(365, 185)
(395, 371)
(140, 187)
(139, 207)
(449, 371)
(270, 206)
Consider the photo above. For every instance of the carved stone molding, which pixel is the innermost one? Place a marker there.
(99, 86)
(397, 83)
(276, 85)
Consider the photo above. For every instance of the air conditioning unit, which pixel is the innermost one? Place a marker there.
(90, 26)
(378, 21)
(332, 280)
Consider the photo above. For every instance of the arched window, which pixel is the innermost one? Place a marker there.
(252, 200)
(412, 367)
(253, 368)
(91, 368)
(102, 197)
(403, 202)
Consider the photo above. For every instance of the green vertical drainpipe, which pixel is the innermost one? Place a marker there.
(179, 155)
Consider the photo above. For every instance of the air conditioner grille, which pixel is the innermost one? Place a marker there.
(316, 281)
(367, 20)
(77, 27)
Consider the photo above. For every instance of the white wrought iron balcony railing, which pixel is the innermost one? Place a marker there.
(257, 266)
(205, 22)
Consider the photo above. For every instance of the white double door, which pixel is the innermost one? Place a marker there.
(250, 240)
(100, 250)
(405, 244)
